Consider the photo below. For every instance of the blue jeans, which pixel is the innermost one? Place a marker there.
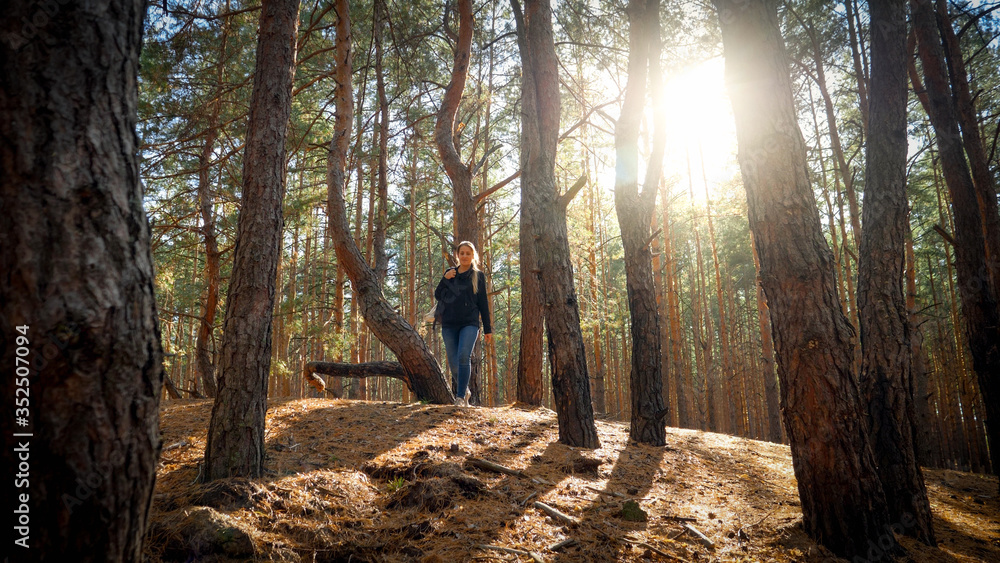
(458, 344)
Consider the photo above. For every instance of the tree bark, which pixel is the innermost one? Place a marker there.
(859, 69)
(445, 135)
(886, 378)
(529, 362)
(78, 326)
(381, 259)
(360, 371)
(635, 213)
(982, 177)
(236, 431)
(843, 504)
(425, 377)
(539, 137)
(977, 291)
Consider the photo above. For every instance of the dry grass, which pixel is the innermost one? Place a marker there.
(370, 481)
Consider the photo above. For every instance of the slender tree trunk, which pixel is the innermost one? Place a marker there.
(886, 378)
(859, 68)
(725, 371)
(446, 136)
(425, 377)
(843, 504)
(767, 355)
(206, 202)
(539, 135)
(80, 335)
(600, 404)
(681, 417)
(445, 133)
(203, 355)
(635, 210)
(843, 167)
(978, 293)
(236, 431)
(381, 259)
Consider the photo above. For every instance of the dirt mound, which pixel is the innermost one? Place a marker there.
(387, 482)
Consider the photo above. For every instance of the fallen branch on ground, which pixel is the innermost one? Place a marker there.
(704, 539)
(555, 514)
(654, 549)
(497, 468)
(537, 557)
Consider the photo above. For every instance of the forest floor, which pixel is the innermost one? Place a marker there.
(365, 481)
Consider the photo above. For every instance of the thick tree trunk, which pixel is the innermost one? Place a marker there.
(886, 377)
(635, 213)
(79, 336)
(529, 362)
(843, 504)
(978, 293)
(236, 432)
(425, 377)
(539, 136)
(979, 164)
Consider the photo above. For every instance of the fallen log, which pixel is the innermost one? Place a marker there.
(356, 371)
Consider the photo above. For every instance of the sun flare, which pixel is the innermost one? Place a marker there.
(700, 126)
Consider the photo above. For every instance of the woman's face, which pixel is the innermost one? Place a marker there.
(465, 256)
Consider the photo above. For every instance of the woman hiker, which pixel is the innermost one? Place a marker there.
(462, 294)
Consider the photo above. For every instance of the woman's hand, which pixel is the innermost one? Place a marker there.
(450, 273)
(488, 337)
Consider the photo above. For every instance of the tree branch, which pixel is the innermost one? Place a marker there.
(567, 197)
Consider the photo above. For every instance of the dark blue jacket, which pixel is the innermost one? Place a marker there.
(461, 306)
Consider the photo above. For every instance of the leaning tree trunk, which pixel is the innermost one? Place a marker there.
(886, 378)
(79, 334)
(635, 214)
(843, 505)
(539, 136)
(977, 291)
(979, 163)
(236, 431)
(424, 374)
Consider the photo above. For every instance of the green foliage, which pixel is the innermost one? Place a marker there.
(396, 484)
